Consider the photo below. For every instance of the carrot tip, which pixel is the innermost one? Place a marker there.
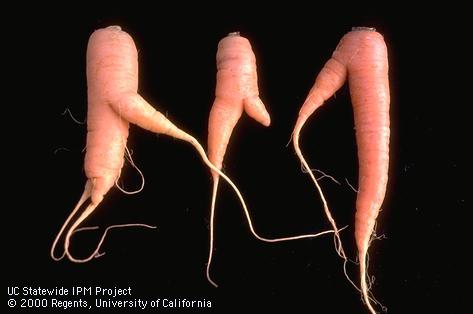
(267, 120)
(363, 28)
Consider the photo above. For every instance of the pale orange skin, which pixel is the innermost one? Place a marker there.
(114, 102)
(112, 70)
(361, 56)
(236, 91)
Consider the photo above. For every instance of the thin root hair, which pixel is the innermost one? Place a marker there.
(351, 186)
(67, 111)
(132, 163)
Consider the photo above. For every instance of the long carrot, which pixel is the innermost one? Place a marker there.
(236, 91)
(361, 56)
(113, 103)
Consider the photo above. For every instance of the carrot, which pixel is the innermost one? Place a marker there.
(113, 103)
(112, 70)
(361, 56)
(236, 91)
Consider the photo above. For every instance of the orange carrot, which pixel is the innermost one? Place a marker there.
(113, 103)
(236, 91)
(361, 56)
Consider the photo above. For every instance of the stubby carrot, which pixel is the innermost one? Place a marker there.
(361, 56)
(236, 91)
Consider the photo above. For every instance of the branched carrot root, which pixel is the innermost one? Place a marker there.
(85, 195)
(250, 224)
(361, 56)
(112, 75)
(74, 229)
(236, 92)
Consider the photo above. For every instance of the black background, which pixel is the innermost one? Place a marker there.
(416, 267)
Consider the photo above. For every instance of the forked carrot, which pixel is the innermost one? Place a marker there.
(113, 103)
(361, 56)
(236, 91)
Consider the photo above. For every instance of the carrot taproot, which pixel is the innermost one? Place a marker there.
(236, 91)
(112, 70)
(361, 56)
(113, 103)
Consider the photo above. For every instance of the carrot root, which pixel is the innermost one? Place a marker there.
(135, 109)
(85, 195)
(211, 236)
(364, 288)
(306, 167)
(361, 57)
(74, 228)
(363, 281)
(130, 159)
(250, 224)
